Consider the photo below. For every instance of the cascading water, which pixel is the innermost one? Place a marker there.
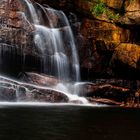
(56, 43)
(54, 40)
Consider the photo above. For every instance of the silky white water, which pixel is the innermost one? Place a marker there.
(54, 40)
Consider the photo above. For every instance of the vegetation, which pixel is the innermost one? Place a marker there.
(101, 8)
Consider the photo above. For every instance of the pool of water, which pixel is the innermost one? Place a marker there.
(68, 122)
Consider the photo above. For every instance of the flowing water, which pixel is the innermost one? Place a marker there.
(44, 121)
(54, 40)
(57, 46)
(56, 43)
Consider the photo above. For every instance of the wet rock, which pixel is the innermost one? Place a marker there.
(39, 79)
(103, 101)
(17, 48)
(7, 92)
(46, 95)
(107, 91)
(11, 90)
(76, 102)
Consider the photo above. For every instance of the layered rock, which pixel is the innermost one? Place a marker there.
(102, 36)
(17, 48)
(127, 56)
(131, 16)
(100, 91)
(14, 91)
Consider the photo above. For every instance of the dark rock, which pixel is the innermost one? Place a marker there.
(127, 57)
(17, 48)
(107, 91)
(7, 92)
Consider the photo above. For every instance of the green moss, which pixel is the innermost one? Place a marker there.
(101, 8)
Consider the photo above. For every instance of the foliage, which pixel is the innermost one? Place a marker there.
(101, 8)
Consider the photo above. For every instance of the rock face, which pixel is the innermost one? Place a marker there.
(132, 13)
(127, 56)
(16, 39)
(101, 91)
(108, 44)
(111, 45)
(102, 35)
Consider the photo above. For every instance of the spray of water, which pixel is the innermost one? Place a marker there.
(56, 45)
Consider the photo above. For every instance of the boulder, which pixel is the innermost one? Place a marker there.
(39, 79)
(11, 90)
(45, 95)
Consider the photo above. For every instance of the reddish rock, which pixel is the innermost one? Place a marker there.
(103, 101)
(107, 91)
(39, 79)
(11, 90)
(17, 48)
(46, 95)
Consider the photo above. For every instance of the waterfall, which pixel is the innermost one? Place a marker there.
(55, 42)
(53, 38)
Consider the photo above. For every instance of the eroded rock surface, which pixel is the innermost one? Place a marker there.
(17, 48)
(13, 91)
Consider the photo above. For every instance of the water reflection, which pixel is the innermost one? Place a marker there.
(68, 123)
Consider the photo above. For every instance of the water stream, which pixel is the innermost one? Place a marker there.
(54, 40)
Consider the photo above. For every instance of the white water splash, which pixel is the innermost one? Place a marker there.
(56, 45)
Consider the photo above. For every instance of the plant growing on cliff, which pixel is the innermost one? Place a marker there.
(101, 8)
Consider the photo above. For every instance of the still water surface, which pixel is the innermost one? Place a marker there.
(68, 123)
